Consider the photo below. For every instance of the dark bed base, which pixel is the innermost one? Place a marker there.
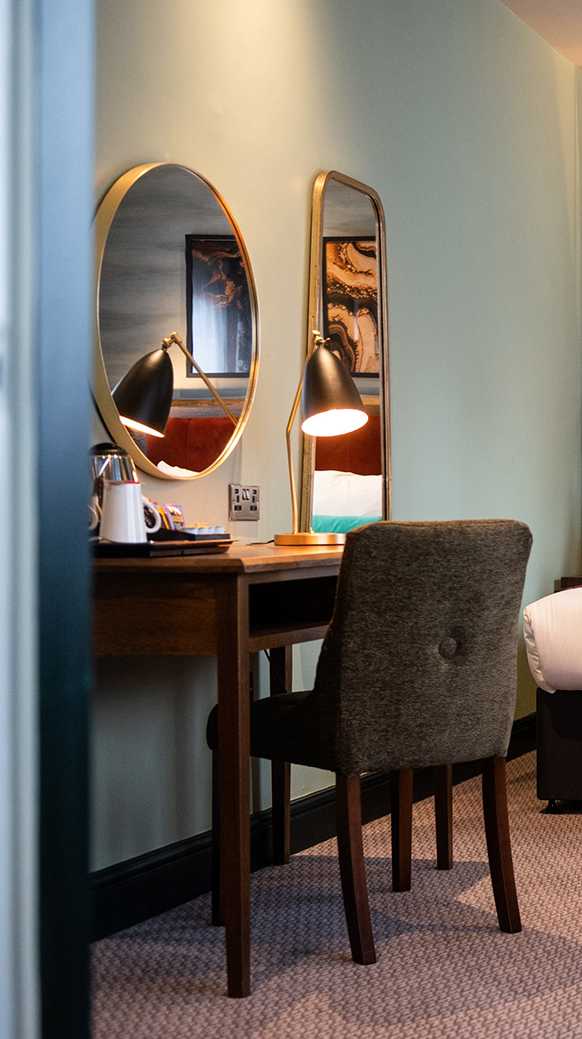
(559, 739)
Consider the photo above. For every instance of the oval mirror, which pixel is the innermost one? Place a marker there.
(347, 479)
(176, 354)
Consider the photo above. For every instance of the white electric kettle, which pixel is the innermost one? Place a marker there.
(122, 513)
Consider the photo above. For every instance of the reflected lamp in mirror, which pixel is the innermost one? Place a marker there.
(144, 395)
(331, 406)
(345, 480)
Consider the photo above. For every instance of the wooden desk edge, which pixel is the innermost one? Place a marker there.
(240, 559)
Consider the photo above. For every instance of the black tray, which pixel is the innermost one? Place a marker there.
(185, 535)
(157, 549)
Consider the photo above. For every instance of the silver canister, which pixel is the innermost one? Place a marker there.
(110, 462)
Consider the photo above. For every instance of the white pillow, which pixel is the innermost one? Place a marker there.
(553, 639)
(175, 470)
(346, 494)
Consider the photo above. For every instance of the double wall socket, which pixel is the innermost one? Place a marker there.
(244, 503)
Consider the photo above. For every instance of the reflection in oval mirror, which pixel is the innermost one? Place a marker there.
(176, 360)
(346, 478)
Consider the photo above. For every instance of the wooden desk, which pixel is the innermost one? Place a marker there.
(229, 606)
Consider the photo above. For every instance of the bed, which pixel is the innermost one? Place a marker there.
(347, 480)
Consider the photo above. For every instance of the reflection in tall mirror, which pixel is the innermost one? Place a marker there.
(346, 479)
(176, 354)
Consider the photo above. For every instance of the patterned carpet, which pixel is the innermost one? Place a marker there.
(443, 967)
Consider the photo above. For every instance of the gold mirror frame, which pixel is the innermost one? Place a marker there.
(102, 394)
(314, 320)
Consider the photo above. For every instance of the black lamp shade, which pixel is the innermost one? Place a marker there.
(144, 396)
(331, 402)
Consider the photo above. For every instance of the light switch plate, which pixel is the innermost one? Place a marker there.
(244, 502)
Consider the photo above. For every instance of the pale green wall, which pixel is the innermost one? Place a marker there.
(464, 120)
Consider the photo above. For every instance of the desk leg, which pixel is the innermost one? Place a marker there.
(233, 737)
(281, 681)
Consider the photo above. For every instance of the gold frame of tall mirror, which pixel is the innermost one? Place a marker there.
(315, 320)
(102, 391)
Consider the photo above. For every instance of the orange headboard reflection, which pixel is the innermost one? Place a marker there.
(192, 443)
(357, 452)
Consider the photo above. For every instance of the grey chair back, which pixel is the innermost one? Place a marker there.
(419, 665)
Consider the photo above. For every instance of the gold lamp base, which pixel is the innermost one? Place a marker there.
(304, 537)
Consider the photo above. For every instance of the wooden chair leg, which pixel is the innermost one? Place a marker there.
(443, 810)
(281, 795)
(401, 810)
(217, 915)
(353, 868)
(499, 845)
(281, 681)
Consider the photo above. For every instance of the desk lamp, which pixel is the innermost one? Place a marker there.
(331, 406)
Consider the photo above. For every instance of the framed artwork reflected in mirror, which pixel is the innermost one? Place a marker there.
(219, 317)
(350, 301)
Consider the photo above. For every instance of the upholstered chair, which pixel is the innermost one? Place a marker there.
(418, 669)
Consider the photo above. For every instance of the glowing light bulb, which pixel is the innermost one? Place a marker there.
(334, 422)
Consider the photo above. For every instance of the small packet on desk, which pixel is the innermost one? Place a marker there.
(215, 532)
(199, 533)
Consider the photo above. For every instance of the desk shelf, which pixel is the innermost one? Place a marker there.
(288, 634)
(281, 614)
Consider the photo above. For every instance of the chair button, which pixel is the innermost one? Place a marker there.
(448, 647)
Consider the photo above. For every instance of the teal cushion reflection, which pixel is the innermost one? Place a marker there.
(340, 524)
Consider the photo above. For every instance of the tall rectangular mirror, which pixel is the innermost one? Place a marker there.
(346, 480)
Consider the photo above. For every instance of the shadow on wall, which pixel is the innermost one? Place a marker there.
(151, 765)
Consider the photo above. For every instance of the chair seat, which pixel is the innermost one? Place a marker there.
(284, 728)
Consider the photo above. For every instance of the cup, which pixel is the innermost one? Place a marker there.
(153, 520)
(122, 513)
(94, 514)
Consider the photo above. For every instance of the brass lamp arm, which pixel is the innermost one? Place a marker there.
(178, 341)
(288, 432)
